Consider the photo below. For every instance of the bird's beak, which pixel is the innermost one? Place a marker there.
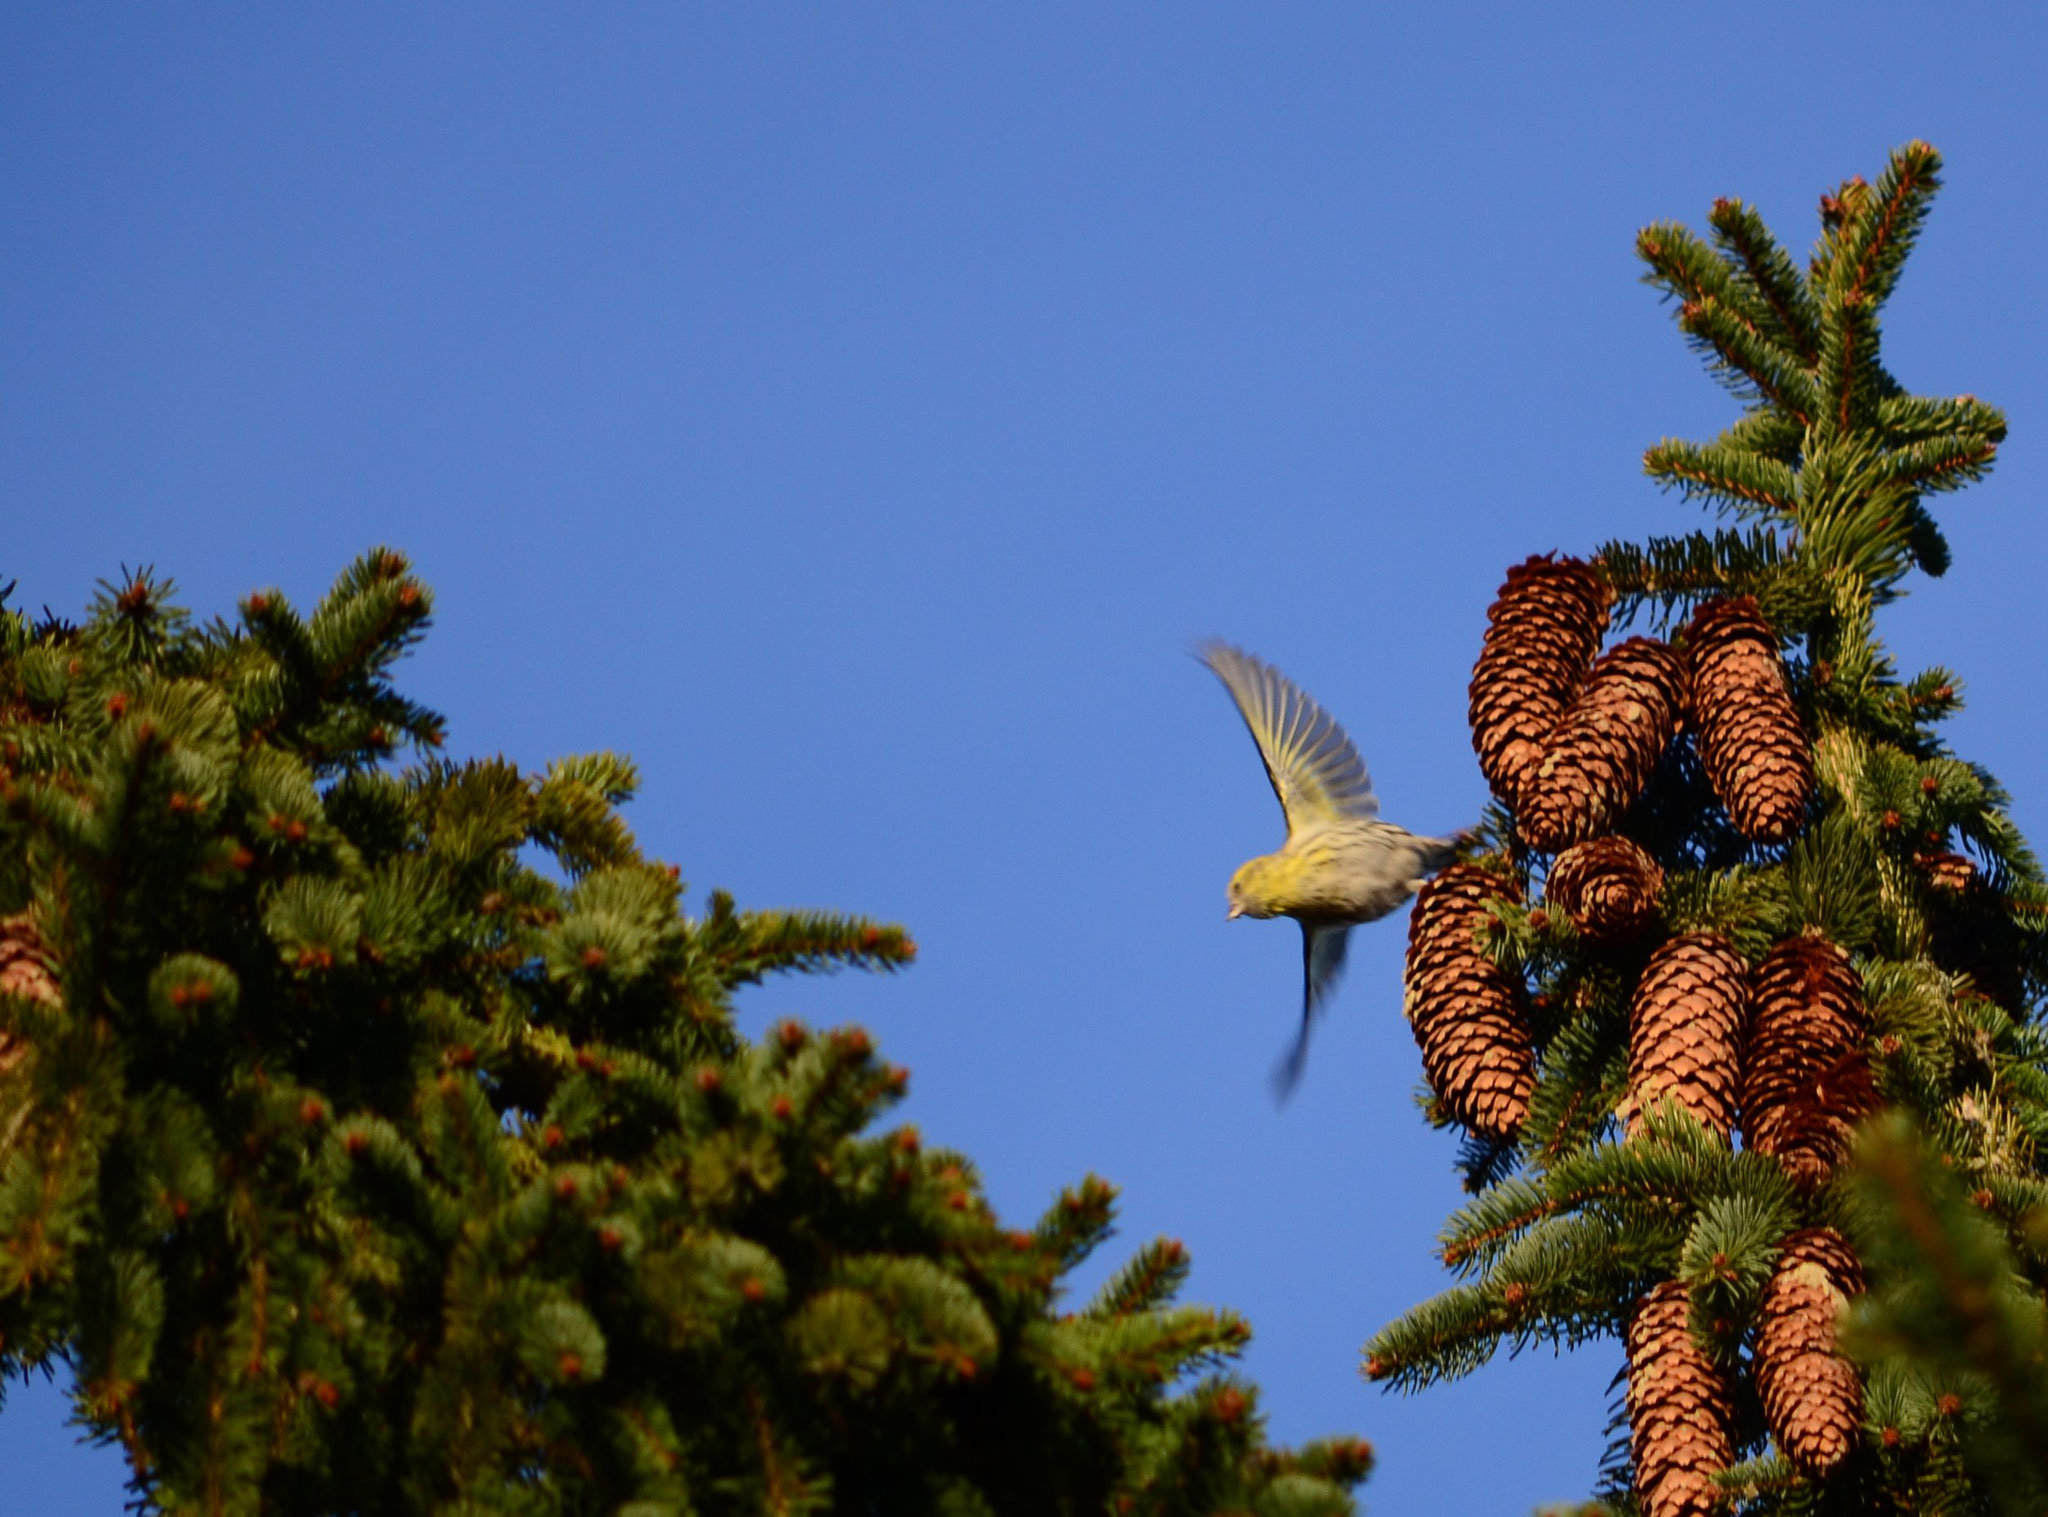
(1234, 913)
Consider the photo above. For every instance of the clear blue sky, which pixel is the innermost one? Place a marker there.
(855, 413)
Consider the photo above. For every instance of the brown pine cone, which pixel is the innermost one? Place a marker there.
(1745, 728)
(26, 970)
(1608, 887)
(1685, 1031)
(1679, 1406)
(1812, 1398)
(1952, 872)
(1971, 928)
(1542, 632)
(25, 964)
(1601, 753)
(1807, 1076)
(1467, 1013)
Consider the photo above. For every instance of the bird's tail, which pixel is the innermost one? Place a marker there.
(1441, 851)
(1287, 1073)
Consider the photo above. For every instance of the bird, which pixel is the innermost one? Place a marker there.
(1341, 865)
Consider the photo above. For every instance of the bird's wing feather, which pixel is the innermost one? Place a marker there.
(1322, 960)
(1315, 769)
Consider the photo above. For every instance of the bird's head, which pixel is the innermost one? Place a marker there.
(1255, 889)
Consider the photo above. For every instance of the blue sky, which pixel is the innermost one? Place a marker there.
(855, 413)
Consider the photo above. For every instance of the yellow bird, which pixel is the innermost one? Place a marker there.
(1341, 864)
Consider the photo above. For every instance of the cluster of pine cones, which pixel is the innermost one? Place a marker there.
(1568, 737)
(1679, 1399)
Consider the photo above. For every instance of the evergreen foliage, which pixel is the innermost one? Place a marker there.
(1904, 918)
(376, 1137)
(1957, 1340)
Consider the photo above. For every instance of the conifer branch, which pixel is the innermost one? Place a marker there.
(1674, 573)
(1741, 231)
(1941, 463)
(1849, 383)
(1584, 1075)
(1152, 1275)
(1953, 1305)
(1685, 267)
(1729, 477)
(1877, 240)
(1477, 1233)
(1908, 419)
(808, 942)
(1747, 362)
(375, 611)
(1077, 1223)
(1768, 432)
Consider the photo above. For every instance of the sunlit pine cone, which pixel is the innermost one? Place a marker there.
(1601, 754)
(1744, 726)
(1812, 1397)
(1467, 1013)
(1542, 632)
(1685, 1031)
(1679, 1407)
(1608, 887)
(1806, 1077)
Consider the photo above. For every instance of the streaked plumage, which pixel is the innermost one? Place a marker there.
(1341, 864)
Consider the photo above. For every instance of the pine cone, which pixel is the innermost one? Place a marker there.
(1678, 1410)
(25, 964)
(1747, 733)
(1952, 872)
(1601, 754)
(1812, 1398)
(1685, 1031)
(1542, 632)
(1466, 1011)
(25, 971)
(1971, 928)
(1608, 887)
(1807, 1077)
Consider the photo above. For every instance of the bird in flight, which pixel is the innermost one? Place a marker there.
(1341, 865)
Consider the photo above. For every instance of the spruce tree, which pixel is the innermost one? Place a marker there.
(375, 1136)
(1734, 896)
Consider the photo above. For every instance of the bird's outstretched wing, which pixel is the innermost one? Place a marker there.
(1322, 960)
(1315, 770)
